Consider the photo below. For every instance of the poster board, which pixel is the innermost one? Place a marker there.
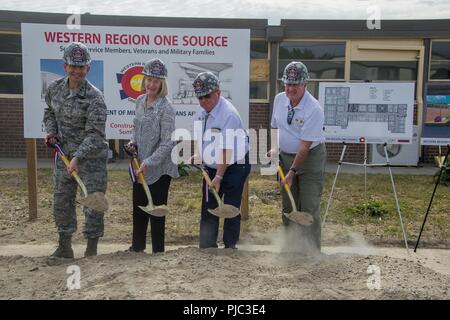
(374, 113)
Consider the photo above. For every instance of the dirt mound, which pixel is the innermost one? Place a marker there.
(191, 273)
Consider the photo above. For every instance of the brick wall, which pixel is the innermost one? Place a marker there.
(258, 119)
(259, 116)
(353, 152)
(429, 152)
(11, 131)
(13, 143)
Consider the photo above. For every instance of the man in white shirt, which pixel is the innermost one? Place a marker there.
(223, 145)
(299, 119)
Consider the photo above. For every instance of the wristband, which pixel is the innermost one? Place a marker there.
(220, 177)
(293, 170)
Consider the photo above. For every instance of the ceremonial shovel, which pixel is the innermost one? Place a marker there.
(96, 200)
(223, 210)
(157, 211)
(300, 217)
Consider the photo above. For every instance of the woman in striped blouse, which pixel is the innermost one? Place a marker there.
(154, 123)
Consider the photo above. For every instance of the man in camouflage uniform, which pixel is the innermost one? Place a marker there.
(75, 118)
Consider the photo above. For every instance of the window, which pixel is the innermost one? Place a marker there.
(11, 84)
(440, 60)
(383, 70)
(258, 49)
(258, 90)
(259, 70)
(10, 64)
(324, 60)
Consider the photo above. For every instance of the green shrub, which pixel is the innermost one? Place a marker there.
(445, 177)
(183, 169)
(373, 208)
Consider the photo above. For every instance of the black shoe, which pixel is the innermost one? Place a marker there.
(91, 248)
(131, 249)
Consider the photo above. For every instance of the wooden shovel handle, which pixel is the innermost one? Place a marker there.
(74, 174)
(142, 181)
(286, 187)
(213, 189)
(136, 167)
(280, 172)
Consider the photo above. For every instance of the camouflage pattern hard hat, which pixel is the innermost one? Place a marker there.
(205, 83)
(77, 54)
(295, 73)
(155, 68)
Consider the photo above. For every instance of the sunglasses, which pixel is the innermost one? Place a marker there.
(204, 97)
(290, 115)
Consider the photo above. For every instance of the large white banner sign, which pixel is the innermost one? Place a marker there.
(118, 55)
(368, 112)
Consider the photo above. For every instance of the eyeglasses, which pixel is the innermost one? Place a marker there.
(204, 97)
(290, 114)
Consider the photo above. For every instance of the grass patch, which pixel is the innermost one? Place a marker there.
(182, 224)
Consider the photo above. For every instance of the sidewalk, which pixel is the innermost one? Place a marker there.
(122, 164)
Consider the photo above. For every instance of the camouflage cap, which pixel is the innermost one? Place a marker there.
(77, 54)
(205, 83)
(155, 68)
(295, 73)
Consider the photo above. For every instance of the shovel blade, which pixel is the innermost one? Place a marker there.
(157, 211)
(300, 217)
(95, 201)
(226, 211)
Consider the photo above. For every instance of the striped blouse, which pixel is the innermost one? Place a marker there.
(151, 133)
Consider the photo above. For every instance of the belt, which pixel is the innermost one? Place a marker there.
(293, 154)
(247, 161)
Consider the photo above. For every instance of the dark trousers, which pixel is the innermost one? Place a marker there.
(231, 187)
(159, 192)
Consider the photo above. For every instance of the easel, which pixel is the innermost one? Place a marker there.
(443, 166)
(365, 165)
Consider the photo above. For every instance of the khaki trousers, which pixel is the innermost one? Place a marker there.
(307, 187)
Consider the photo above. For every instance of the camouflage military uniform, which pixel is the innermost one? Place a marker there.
(78, 119)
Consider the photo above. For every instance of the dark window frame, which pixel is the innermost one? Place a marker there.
(8, 50)
(439, 74)
(264, 56)
(336, 59)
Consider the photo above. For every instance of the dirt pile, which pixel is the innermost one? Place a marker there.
(191, 273)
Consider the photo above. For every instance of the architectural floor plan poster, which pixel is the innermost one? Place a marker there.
(368, 112)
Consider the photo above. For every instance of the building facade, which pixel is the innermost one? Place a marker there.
(334, 50)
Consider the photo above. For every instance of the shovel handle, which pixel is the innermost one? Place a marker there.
(74, 174)
(142, 181)
(281, 173)
(213, 189)
(136, 167)
(286, 187)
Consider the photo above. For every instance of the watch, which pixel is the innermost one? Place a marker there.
(293, 169)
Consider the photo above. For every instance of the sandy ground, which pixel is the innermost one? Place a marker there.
(358, 271)
(270, 263)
